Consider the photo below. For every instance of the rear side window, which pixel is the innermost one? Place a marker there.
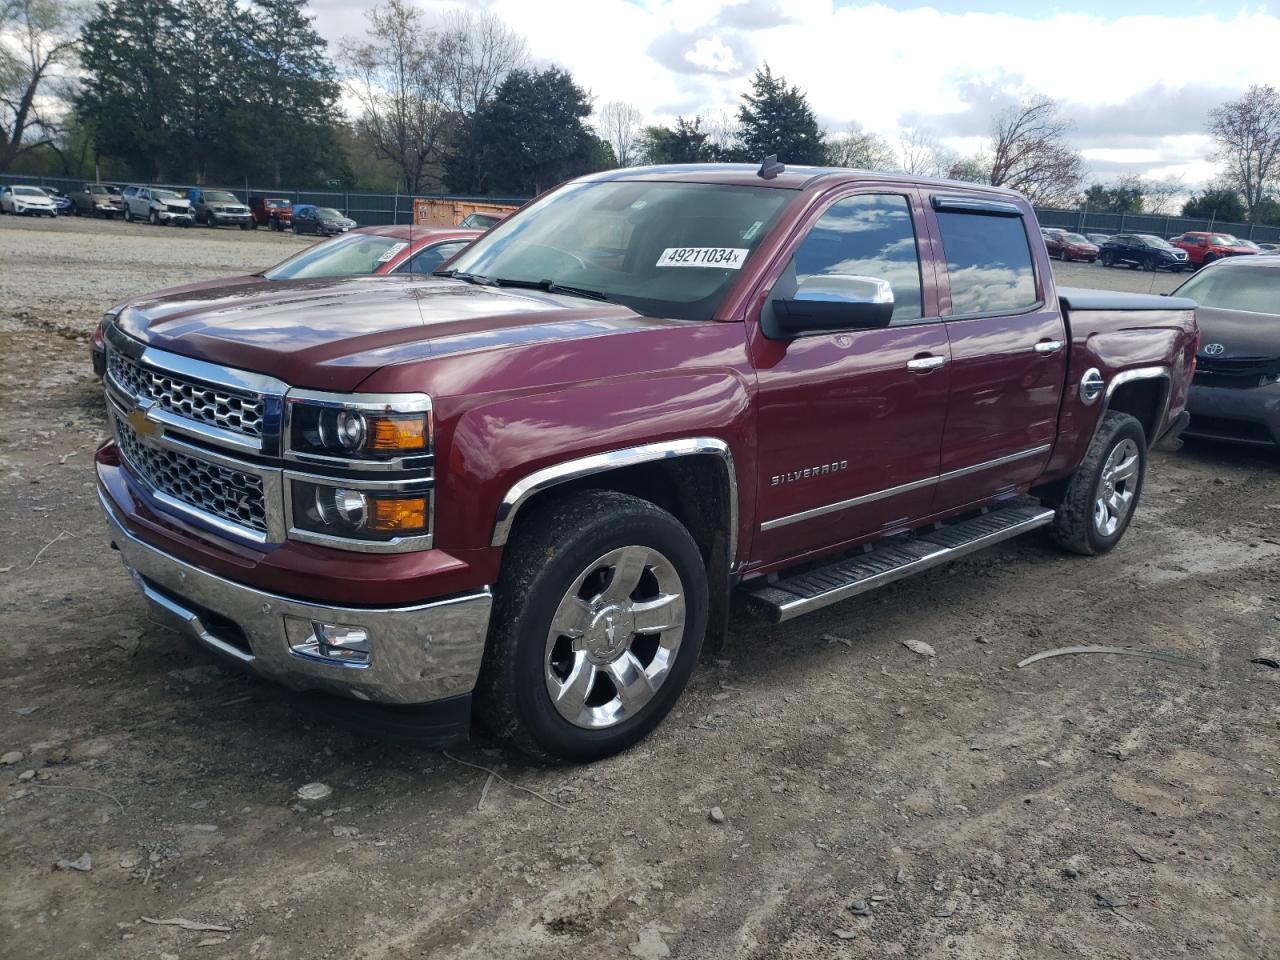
(868, 235)
(989, 263)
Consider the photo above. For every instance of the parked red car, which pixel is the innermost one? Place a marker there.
(273, 212)
(1070, 246)
(366, 250)
(1204, 247)
(536, 484)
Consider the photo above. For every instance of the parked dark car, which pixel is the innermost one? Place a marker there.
(98, 200)
(1236, 391)
(219, 208)
(1269, 248)
(1070, 246)
(273, 212)
(1142, 250)
(322, 221)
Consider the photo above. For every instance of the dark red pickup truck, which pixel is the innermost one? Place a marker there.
(535, 482)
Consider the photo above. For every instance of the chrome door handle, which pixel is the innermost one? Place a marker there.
(925, 364)
(1048, 346)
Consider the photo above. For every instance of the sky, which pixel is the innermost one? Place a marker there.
(1137, 78)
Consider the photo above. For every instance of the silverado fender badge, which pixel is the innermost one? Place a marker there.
(791, 476)
(142, 425)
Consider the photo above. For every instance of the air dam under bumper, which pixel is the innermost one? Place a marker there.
(417, 655)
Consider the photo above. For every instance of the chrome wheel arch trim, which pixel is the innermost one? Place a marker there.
(1160, 372)
(559, 473)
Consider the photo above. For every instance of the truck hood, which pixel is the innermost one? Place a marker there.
(1241, 334)
(330, 334)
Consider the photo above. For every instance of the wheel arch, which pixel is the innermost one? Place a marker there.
(1143, 393)
(693, 479)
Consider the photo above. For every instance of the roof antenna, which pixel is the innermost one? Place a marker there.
(770, 168)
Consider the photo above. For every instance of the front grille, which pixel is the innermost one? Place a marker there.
(174, 208)
(216, 406)
(1236, 373)
(229, 494)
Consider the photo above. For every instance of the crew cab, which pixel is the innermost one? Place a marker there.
(1203, 246)
(536, 483)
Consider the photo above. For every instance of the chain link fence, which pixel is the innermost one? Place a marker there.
(1095, 221)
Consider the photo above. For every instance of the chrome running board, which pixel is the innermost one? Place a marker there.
(803, 593)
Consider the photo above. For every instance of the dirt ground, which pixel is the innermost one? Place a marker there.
(1091, 806)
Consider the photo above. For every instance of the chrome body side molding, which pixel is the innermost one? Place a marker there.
(872, 497)
(570, 470)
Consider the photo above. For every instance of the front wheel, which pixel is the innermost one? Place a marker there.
(154, 218)
(1101, 496)
(598, 621)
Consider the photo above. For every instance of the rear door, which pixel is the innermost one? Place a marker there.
(850, 423)
(1008, 350)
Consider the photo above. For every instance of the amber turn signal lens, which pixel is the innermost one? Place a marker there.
(397, 433)
(398, 515)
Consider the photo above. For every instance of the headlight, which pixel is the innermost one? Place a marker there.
(388, 427)
(377, 514)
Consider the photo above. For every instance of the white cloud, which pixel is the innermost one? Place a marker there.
(876, 65)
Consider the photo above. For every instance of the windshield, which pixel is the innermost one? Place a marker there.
(1253, 289)
(29, 192)
(353, 254)
(219, 196)
(274, 204)
(1222, 240)
(328, 213)
(165, 195)
(1157, 243)
(662, 248)
(1074, 238)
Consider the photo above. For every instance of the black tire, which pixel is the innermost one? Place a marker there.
(547, 554)
(253, 225)
(154, 218)
(128, 214)
(244, 226)
(1208, 259)
(1075, 525)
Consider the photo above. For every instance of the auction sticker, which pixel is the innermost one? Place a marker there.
(391, 252)
(725, 258)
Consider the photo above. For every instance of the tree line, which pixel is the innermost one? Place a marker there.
(229, 90)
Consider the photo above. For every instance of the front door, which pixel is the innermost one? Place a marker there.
(850, 424)
(1008, 357)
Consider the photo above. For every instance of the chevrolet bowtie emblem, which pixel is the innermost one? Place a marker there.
(142, 425)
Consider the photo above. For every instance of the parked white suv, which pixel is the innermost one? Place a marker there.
(158, 205)
(31, 201)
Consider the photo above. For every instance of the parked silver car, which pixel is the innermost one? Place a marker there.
(157, 205)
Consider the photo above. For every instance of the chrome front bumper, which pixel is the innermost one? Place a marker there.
(417, 654)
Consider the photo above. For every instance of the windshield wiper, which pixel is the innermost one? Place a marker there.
(476, 278)
(550, 286)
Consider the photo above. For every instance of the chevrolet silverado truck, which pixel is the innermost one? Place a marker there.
(537, 483)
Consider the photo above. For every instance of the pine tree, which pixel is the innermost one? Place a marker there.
(777, 120)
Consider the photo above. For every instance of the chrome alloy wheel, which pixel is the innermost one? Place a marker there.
(614, 637)
(1116, 487)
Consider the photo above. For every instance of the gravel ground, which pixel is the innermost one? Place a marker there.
(875, 803)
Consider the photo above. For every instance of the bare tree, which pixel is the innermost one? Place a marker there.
(476, 51)
(1247, 132)
(1161, 197)
(38, 41)
(860, 149)
(394, 76)
(618, 124)
(922, 155)
(1030, 152)
(724, 137)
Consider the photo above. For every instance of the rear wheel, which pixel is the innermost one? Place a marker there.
(597, 624)
(1103, 493)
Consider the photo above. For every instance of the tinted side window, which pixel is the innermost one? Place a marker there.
(427, 260)
(989, 263)
(869, 235)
